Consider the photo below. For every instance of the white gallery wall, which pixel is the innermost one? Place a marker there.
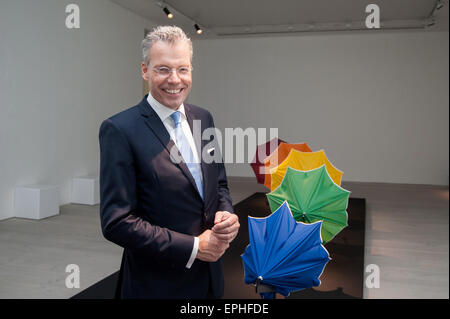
(56, 87)
(378, 103)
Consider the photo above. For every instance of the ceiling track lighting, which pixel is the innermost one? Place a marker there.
(165, 8)
(430, 23)
(168, 13)
(198, 29)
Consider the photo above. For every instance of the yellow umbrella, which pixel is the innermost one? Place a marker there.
(279, 155)
(304, 161)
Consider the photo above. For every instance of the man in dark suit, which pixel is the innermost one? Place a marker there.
(161, 201)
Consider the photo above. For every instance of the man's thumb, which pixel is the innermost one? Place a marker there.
(218, 217)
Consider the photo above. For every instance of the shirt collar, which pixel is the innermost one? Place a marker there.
(163, 111)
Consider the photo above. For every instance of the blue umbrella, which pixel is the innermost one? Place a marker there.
(283, 255)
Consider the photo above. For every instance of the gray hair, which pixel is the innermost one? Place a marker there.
(169, 34)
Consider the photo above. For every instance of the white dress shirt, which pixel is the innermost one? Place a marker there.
(164, 113)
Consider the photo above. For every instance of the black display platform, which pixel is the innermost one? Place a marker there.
(343, 276)
(104, 289)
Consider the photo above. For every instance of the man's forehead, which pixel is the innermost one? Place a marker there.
(170, 52)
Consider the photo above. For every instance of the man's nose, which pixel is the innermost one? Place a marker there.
(173, 77)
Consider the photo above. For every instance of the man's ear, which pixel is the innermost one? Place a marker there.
(144, 68)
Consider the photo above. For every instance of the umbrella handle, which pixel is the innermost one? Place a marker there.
(264, 289)
(268, 295)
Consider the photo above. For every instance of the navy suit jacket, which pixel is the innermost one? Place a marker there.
(151, 207)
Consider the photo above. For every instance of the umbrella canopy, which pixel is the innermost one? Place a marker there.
(279, 155)
(262, 151)
(284, 254)
(304, 161)
(313, 196)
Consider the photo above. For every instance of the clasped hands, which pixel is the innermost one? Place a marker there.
(213, 242)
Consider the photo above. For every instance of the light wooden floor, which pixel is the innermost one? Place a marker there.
(407, 236)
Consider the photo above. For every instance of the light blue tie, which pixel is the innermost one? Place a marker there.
(186, 152)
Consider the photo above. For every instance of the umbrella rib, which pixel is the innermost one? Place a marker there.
(313, 194)
(330, 200)
(293, 250)
(314, 265)
(298, 200)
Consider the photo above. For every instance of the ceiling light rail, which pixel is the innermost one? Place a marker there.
(322, 27)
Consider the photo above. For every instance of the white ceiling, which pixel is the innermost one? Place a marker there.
(248, 17)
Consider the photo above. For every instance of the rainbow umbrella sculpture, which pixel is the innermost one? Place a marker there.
(262, 151)
(313, 196)
(279, 155)
(304, 161)
(283, 254)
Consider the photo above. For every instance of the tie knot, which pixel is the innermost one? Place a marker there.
(176, 117)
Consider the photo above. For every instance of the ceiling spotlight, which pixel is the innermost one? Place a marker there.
(198, 29)
(169, 14)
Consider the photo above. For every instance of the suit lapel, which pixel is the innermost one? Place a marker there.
(155, 124)
(199, 143)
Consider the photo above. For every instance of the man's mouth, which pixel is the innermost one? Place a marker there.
(172, 91)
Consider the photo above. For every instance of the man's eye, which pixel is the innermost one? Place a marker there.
(183, 70)
(163, 70)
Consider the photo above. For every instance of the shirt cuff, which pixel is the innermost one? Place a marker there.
(193, 254)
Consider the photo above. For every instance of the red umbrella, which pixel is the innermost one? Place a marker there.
(263, 151)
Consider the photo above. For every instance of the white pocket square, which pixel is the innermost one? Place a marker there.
(210, 150)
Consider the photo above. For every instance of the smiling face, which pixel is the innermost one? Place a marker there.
(169, 90)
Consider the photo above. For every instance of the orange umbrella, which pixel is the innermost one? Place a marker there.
(278, 156)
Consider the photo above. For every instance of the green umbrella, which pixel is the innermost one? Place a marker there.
(313, 196)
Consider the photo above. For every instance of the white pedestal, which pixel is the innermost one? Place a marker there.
(36, 201)
(85, 190)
